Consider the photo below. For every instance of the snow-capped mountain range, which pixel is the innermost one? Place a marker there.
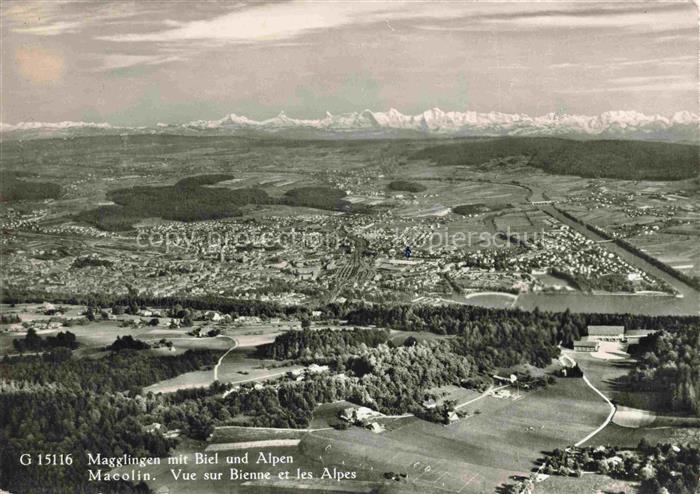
(681, 126)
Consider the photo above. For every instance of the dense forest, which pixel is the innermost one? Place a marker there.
(193, 199)
(477, 208)
(37, 419)
(14, 187)
(406, 186)
(307, 343)
(316, 197)
(126, 370)
(629, 160)
(670, 362)
(59, 403)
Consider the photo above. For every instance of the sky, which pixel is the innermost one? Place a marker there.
(142, 62)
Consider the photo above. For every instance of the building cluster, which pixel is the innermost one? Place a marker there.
(599, 334)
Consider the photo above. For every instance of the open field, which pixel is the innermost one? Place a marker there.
(327, 414)
(399, 336)
(240, 366)
(508, 433)
(235, 434)
(633, 418)
(681, 252)
(460, 457)
(589, 483)
(194, 379)
(604, 375)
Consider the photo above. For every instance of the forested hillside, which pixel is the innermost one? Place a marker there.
(629, 160)
(671, 362)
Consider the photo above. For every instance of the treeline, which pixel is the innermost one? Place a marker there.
(564, 327)
(613, 282)
(118, 371)
(128, 342)
(406, 186)
(32, 342)
(205, 179)
(221, 304)
(669, 363)
(90, 261)
(465, 209)
(309, 343)
(499, 342)
(623, 159)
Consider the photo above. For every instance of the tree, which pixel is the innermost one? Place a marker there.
(90, 314)
(410, 341)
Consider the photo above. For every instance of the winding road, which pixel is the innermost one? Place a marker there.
(221, 359)
(608, 419)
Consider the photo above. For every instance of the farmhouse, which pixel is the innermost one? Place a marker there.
(375, 427)
(317, 369)
(586, 346)
(429, 404)
(606, 333)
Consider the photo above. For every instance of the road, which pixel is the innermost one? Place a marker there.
(608, 419)
(221, 359)
(481, 396)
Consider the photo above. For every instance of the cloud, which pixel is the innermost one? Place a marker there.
(684, 60)
(53, 29)
(122, 61)
(652, 86)
(636, 17)
(646, 78)
(680, 60)
(56, 17)
(39, 65)
(288, 20)
(40, 18)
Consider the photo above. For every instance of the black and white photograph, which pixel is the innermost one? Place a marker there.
(349, 247)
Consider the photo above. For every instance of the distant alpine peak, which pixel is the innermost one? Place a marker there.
(440, 122)
(54, 125)
(625, 124)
